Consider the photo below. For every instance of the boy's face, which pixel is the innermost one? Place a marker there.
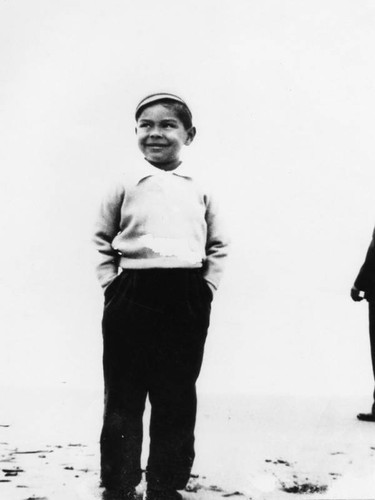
(161, 135)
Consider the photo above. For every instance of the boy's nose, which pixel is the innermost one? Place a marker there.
(155, 132)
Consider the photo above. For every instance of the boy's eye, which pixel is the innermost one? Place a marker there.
(143, 125)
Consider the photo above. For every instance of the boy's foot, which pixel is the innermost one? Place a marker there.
(366, 417)
(162, 495)
(119, 494)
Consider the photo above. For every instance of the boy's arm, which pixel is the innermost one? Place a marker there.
(216, 246)
(106, 228)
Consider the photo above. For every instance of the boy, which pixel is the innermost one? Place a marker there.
(365, 282)
(163, 231)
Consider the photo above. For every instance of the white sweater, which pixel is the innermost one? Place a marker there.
(157, 219)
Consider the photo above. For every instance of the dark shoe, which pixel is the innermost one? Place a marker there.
(119, 494)
(366, 417)
(162, 495)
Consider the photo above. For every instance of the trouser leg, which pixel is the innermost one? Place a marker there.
(372, 342)
(124, 366)
(172, 438)
(174, 369)
(121, 443)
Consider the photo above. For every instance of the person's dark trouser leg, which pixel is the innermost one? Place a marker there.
(172, 438)
(124, 365)
(372, 341)
(174, 369)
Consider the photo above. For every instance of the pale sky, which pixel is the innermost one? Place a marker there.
(282, 94)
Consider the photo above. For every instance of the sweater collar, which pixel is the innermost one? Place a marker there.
(145, 169)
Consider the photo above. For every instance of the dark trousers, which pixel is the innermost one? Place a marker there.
(371, 309)
(154, 329)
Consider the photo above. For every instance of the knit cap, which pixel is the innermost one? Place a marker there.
(161, 96)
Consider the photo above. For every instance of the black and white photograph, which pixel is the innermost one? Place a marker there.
(188, 250)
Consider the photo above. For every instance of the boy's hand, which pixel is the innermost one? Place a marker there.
(356, 294)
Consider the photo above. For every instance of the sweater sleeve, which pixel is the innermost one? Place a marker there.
(106, 228)
(366, 277)
(216, 244)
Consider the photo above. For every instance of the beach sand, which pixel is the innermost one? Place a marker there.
(248, 446)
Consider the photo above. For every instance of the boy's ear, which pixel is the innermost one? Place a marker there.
(135, 130)
(190, 135)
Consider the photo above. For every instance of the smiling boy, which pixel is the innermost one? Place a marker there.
(161, 135)
(162, 231)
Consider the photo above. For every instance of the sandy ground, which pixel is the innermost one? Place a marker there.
(250, 447)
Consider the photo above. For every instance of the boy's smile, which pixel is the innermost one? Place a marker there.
(161, 135)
